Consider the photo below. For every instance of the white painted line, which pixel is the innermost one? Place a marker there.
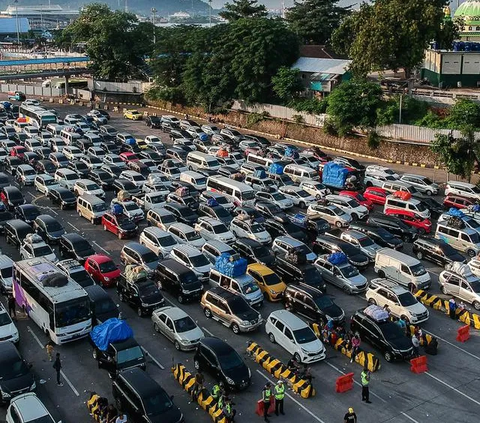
(53, 211)
(318, 419)
(476, 357)
(206, 330)
(101, 248)
(40, 344)
(33, 196)
(74, 227)
(452, 388)
(153, 358)
(409, 418)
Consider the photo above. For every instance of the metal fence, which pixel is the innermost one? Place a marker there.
(36, 90)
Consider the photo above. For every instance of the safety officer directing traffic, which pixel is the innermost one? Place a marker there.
(365, 377)
(266, 395)
(279, 396)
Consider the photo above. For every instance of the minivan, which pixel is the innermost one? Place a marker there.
(157, 240)
(6, 274)
(421, 183)
(465, 240)
(91, 208)
(16, 230)
(197, 180)
(197, 160)
(401, 268)
(101, 304)
(464, 189)
(300, 173)
(393, 186)
(413, 205)
(295, 336)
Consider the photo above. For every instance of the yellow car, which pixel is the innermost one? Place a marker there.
(268, 281)
(132, 115)
(141, 144)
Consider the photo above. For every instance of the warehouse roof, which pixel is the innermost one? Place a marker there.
(9, 25)
(317, 65)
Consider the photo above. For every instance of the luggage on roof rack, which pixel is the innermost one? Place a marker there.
(377, 313)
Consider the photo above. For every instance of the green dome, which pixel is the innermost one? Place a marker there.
(469, 9)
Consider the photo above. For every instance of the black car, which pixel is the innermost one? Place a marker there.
(5, 216)
(143, 399)
(384, 335)
(313, 304)
(102, 178)
(183, 213)
(27, 212)
(73, 245)
(80, 167)
(217, 212)
(11, 163)
(11, 197)
(63, 197)
(393, 225)
(45, 166)
(15, 231)
(113, 170)
(436, 251)
(153, 122)
(15, 375)
(297, 273)
(254, 251)
(101, 304)
(223, 362)
(125, 185)
(278, 227)
(142, 295)
(183, 200)
(227, 171)
(436, 208)
(110, 147)
(325, 244)
(48, 228)
(378, 234)
(270, 210)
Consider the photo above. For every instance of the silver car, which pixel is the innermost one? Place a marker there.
(421, 183)
(462, 284)
(178, 327)
(362, 241)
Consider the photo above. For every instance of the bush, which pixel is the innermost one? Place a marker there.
(330, 128)
(311, 105)
(298, 119)
(253, 118)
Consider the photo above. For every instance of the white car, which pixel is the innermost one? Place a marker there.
(213, 229)
(25, 174)
(97, 152)
(381, 170)
(248, 229)
(192, 258)
(185, 234)
(152, 139)
(135, 177)
(44, 183)
(276, 198)
(114, 159)
(399, 300)
(34, 246)
(210, 129)
(348, 205)
(158, 240)
(299, 196)
(8, 330)
(92, 162)
(71, 152)
(178, 327)
(374, 180)
(332, 214)
(131, 210)
(463, 189)
(27, 408)
(66, 178)
(315, 188)
(86, 186)
(31, 102)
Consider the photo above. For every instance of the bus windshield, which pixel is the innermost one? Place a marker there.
(71, 312)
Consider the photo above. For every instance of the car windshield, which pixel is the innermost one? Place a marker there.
(82, 278)
(105, 306)
(130, 354)
(365, 242)
(418, 269)
(188, 278)
(92, 187)
(166, 241)
(349, 271)
(278, 196)
(472, 223)
(260, 251)
(349, 249)
(13, 369)
(352, 203)
(220, 229)
(312, 276)
(71, 312)
(50, 182)
(221, 212)
(475, 285)
(238, 306)
(407, 299)
(192, 236)
(71, 176)
(475, 238)
(99, 207)
(304, 336)
(323, 301)
(337, 211)
(31, 213)
(256, 228)
(150, 257)
(392, 331)
(421, 207)
(384, 234)
(130, 206)
(271, 279)
(53, 226)
(5, 319)
(168, 218)
(14, 195)
(107, 267)
(184, 324)
(199, 260)
(248, 195)
(230, 360)
(6, 272)
(43, 250)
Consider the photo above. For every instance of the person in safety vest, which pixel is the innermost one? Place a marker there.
(217, 391)
(266, 396)
(365, 377)
(228, 410)
(279, 396)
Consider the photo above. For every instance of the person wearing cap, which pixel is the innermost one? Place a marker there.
(266, 395)
(279, 391)
(350, 417)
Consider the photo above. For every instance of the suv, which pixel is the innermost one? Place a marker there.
(230, 309)
(254, 251)
(332, 214)
(436, 251)
(143, 295)
(400, 302)
(313, 304)
(73, 269)
(379, 235)
(328, 244)
(73, 245)
(462, 284)
(384, 335)
(463, 189)
(393, 225)
(421, 183)
(297, 273)
(135, 253)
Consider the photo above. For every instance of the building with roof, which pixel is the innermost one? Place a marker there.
(469, 12)
(42, 16)
(9, 27)
(321, 75)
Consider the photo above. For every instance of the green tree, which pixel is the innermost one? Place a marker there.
(287, 83)
(464, 113)
(412, 110)
(315, 20)
(354, 104)
(458, 155)
(448, 32)
(389, 34)
(239, 9)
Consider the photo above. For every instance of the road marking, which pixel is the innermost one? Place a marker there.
(74, 227)
(29, 193)
(153, 358)
(409, 418)
(453, 345)
(452, 388)
(61, 371)
(318, 419)
(53, 211)
(101, 248)
(206, 330)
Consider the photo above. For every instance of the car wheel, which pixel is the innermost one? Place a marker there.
(196, 364)
(302, 205)
(235, 329)
(420, 255)
(471, 253)
(297, 358)
(207, 312)
(346, 289)
(444, 290)
(381, 273)
(156, 328)
(271, 337)
(181, 299)
(338, 224)
(140, 312)
(372, 301)
(121, 297)
(428, 192)
(176, 344)
(388, 357)
(476, 305)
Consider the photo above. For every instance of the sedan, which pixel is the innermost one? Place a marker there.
(178, 327)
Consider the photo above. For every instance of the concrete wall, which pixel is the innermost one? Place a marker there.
(33, 90)
(135, 87)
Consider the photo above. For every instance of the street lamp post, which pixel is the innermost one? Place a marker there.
(17, 24)
(154, 12)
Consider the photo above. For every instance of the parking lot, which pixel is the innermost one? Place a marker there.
(448, 391)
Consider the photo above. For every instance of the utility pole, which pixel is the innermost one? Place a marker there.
(17, 24)
(154, 11)
(400, 109)
(209, 12)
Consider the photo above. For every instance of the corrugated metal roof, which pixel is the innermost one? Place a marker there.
(316, 65)
(9, 25)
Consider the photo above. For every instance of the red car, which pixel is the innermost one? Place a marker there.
(359, 197)
(458, 201)
(102, 269)
(128, 156)
(18, 151)
(119, 224)
(376, 195)
(423, 226)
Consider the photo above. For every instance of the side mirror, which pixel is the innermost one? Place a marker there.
(172, 397)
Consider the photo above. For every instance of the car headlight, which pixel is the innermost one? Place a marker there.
(229, 380)
(106, 279)
(5, 394)
(33, 386)
(245, 323)
(273, 292)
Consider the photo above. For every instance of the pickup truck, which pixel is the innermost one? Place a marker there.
(151, 200)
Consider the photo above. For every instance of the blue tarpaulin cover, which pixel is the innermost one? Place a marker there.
(334, 175)
(112, 330)
(276, 169)
(211, 202)
(299, 219)
(455, 212)
(130, 141)
(337, 258)
(231, 268)
(476, 208)
(260, 174)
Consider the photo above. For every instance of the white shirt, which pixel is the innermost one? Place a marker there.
(121, 419)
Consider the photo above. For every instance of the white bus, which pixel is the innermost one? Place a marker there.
(37, 116)
(55, 302)
(237, 192)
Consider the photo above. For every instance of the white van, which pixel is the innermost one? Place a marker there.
(300, 173)
(6, 274)
(393, 186)
(158, 240)
(197, 180)
(66, 177)
(464, 189)
(259, 160)
(466, 240)
(70, 138)
(295, 336)
(416, 206)
(197, 160)
(401, 268)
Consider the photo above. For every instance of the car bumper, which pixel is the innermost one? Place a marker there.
(250, 328)
(314, 358)
(128, 234)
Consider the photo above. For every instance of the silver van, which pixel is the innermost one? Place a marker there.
(416, 206)
(196, 160)
(393, 186)
(6, 269)
(197, 180)
(465, 240)
(91, 208)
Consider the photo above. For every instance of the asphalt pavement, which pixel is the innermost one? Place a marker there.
(447, 392)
